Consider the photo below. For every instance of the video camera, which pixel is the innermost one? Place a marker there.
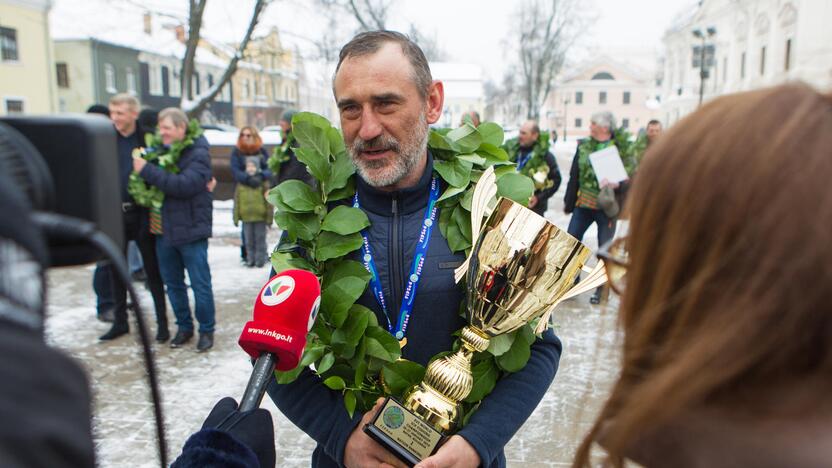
(67, 170)
(67, 166)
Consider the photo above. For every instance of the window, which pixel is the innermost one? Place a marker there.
(110, 78)
(8, 45)
(602, 75)
(210, 80)
(154, 72)
(175, 88)
(63, 75)
(578, 123)
(14, 106)
(256, 88)
(131, 80)
(742, 65)
(602, 97)
(787, 63)
(763, 61)
(579, 97)
(625, 123)
(246, 88)
(626, 97)
(195, 83)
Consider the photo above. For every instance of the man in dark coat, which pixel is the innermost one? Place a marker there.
(387, 99)
(124, 111)
(290, 167)
(185, 228)
(536, 161)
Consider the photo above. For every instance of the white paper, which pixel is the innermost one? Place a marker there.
(607, 165)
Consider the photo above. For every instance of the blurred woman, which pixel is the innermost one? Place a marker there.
(727, 349)
(249, 144)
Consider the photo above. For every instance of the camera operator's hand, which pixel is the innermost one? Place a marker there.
(253, 428)
(138, 163)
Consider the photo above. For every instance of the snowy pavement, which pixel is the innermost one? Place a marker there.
(191, 383)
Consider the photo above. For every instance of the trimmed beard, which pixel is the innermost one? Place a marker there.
(388, 172)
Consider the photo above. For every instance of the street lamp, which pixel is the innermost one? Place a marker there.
(703, 72)
(565, 120)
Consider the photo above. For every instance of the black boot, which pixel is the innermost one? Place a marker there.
(206, 341)
(181, 338)
(162, 333)
(118, 329)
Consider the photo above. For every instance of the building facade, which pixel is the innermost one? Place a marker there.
(750, 44)
(600, 84)
(90, 71)
(27, 83)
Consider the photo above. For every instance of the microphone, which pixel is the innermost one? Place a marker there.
(284, 312)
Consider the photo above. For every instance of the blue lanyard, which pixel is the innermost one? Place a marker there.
(522, 160)
(415, 270)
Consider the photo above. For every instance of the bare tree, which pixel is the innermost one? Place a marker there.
(369, 15)
(195, 105)
(547, 29)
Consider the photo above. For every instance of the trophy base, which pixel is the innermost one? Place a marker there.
(404, 434)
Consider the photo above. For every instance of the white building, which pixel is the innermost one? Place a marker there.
(464, 91)
(600, 84)
(756, 43)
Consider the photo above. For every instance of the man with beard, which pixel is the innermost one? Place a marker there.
(386, 100)
(536, 161)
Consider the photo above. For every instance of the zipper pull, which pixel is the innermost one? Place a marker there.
(395, 206)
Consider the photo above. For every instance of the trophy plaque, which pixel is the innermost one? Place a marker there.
(519, 266)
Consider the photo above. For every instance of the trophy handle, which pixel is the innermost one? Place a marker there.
(448, 380)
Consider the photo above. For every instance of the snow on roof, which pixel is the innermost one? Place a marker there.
(121, 24)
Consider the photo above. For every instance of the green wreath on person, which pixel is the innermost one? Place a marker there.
(626, 149)
(536, 167)
(280, 154)
(167, 157)
(350, 351)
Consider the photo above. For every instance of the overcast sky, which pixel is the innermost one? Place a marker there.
(473, 31)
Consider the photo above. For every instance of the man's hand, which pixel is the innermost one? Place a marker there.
(606, 182)
(211, 184)
(532, 201)
(138, 164)
(362, 451)
(455, 453)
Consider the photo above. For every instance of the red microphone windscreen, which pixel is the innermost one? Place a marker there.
(284, 312)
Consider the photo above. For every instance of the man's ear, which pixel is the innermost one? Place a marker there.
(435, 101)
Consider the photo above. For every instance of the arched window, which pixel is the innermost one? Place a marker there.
(602, 76)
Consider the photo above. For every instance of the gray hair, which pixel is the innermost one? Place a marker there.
(125, 98)
(368, 43)
(604, 119)
(176, 116)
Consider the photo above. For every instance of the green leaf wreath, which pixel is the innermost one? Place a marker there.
(166, 157)
(350, 351)
(536, 167)
(280, 154)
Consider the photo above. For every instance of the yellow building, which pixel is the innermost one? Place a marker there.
(265, 83)
(27, 83)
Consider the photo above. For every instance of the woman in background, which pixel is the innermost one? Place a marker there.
(727, 350)
(249, 144)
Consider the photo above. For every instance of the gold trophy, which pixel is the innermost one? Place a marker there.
(520, 265)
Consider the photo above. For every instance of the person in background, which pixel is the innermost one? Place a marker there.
(283, 162)
(646, 140)
(533, 159)
(186, 223)
(251, 207)
(473, 116)
(727, 360)
(124, 110)
(249, 144)
(583, 188)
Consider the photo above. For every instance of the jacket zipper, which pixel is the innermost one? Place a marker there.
(396, 271)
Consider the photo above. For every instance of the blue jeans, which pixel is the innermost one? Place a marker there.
(173, 261)
(101, 285)
(582, 219)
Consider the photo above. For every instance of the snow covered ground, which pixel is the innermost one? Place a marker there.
(191, 383)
